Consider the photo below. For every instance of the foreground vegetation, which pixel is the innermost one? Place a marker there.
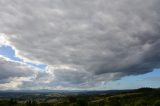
(140, 97)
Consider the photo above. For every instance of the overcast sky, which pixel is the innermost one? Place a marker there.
(79, 44)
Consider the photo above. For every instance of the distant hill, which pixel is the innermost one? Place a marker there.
(8, 93)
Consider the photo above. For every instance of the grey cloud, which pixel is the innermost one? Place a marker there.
(99, 37)
(11, 70)
(68, 79)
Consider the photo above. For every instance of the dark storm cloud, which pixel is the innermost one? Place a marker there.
(95, 38)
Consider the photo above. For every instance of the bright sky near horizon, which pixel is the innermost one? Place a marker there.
(77, 45)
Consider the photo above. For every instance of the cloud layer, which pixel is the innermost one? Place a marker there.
(84, 42)
(12, 73)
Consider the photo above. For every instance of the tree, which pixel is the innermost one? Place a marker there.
(12, 102)
(72, 99)
(114, 102)
(82, 102)
(34, 103)
(28, 103)
(141, 103)
(157, 103)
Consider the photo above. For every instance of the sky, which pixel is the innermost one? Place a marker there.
(79, 44)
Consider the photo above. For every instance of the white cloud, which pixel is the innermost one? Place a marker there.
(3, 40)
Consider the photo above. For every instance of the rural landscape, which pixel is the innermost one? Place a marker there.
(137, 97)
